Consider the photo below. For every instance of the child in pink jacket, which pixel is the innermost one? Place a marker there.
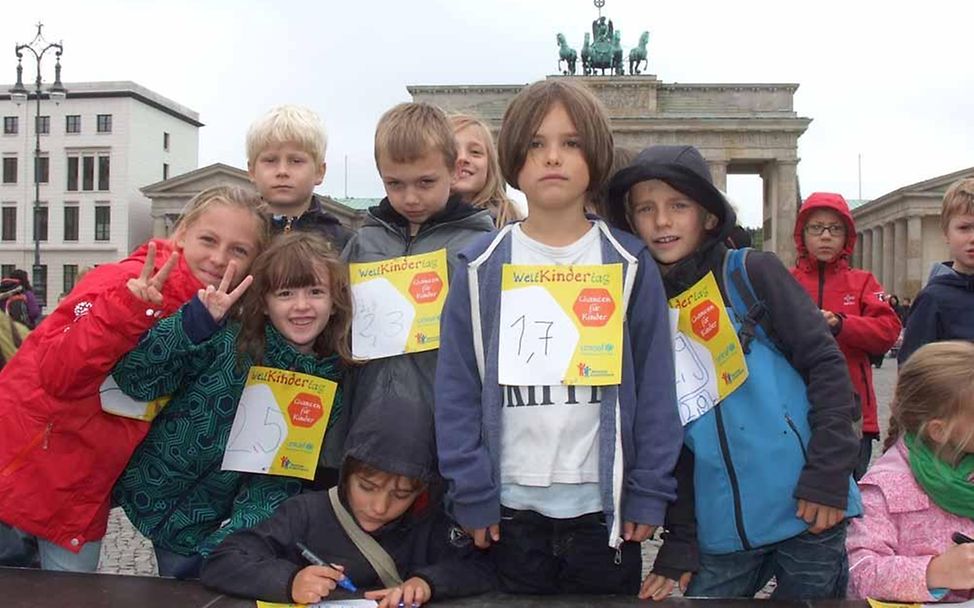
(913, 542)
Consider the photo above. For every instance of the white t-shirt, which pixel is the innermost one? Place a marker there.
(550, 434)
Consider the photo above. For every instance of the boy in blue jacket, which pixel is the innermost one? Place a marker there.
(563, 480)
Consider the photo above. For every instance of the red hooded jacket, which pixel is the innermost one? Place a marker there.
(868, 324)
(59, 453)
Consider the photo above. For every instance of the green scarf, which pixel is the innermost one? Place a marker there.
(949, 487)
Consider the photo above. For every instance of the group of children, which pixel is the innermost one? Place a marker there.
(460, 469)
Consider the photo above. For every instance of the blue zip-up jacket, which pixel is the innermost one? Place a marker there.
(942, 311)
(641, 435)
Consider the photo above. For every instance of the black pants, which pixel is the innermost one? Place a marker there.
(543, 555)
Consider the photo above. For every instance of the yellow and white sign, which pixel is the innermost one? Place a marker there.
(280, 423)
(349, 603)
(117, 403)
(398, 304)
(561, 325)
(709, 361)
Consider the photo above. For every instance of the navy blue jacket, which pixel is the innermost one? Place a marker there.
(942, 311)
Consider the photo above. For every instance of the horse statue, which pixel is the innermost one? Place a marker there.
(566, 54)
(605, 52)
(638, 55)
(587, 55)
(617, 66)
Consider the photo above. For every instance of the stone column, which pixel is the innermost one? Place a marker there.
(899, 259)
(856, 260)
(159, 227)
(877, 265)
(888, 256)
(866, 247)
(914, 257)
(786, 211)
(769, 203)
(718, 170)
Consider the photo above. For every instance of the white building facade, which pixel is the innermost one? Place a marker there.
(99, 147)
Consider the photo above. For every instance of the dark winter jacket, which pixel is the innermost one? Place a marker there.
(867, 324)
(174, 489)
(942, 311)
(385, 235)
(799, 327)
(315, 219)
(261, 562)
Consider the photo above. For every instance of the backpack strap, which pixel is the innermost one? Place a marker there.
(378, 557)
(740, 291)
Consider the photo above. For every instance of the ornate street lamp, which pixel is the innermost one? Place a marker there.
(19, 94)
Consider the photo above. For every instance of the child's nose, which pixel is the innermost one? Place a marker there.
(380, 505)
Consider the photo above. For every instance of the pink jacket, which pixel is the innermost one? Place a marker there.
(900, 531)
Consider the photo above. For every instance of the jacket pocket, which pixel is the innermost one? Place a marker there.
(42, 439)
(798, 437)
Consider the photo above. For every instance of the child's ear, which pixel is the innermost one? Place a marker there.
(936, 429)
(320, 176)
(710, 222)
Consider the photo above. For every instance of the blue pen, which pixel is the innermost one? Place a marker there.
(344, 582)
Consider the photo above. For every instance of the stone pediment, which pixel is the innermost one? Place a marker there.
(197, 180)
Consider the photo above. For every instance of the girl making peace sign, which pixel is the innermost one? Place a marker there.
(60, 452)
(296, 316)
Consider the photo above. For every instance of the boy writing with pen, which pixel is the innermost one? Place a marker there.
(395, 539)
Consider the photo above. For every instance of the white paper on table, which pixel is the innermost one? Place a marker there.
(537, 339)
(258, 430)
(382, 320)
(354, 603)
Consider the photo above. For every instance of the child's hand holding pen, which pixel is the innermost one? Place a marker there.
(954, 568)
(317, 580)
(411, 594)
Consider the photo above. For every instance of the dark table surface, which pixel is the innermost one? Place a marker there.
(24, 588)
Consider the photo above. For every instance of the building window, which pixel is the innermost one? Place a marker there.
(40, 222)
(103, 219)
(72, 173)
(72, 123)
(39, 284)
(7, 269)
(104, 172)
(10, 125)
(70, 277)
(70, 222)
(88, 173)
(10, 169)
(43, 169)
(165, 170)
(43, 124)
(165, 141)
(9, 225)
(104, 123)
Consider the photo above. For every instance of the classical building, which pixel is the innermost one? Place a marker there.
(170, 196)
(98, 148)
(899, 234)
(739, 128)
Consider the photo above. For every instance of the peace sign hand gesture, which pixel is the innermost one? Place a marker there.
(216, 299)
(148, 286)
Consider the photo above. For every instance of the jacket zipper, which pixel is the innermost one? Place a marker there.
(182, 497)
(798, 437)
(732, 474)
(821, 283)
(42, 439)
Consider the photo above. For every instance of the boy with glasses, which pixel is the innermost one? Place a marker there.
(850, 300)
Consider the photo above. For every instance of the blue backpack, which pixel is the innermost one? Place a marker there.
(750, 449)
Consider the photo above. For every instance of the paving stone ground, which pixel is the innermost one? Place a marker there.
(126, 551)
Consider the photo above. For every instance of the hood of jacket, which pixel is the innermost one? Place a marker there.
(832, 202)
(944, 274)
(455, 210)
(685, 170)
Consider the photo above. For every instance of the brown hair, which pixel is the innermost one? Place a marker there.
(958, 200)
(598, 201)
(527, 111)
(231, 196)
(409, 131)
(294, 260)
(935, 383)
(493, 194)
(354, 466)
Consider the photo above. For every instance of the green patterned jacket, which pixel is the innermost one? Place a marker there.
(173, 489)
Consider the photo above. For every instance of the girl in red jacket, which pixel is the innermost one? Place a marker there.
(60, 453)
(850, 300)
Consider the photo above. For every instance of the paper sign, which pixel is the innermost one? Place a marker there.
(561, 325)
(280, 423)
(353, 603)
(398, 304)
(707, 354)
(117, 403)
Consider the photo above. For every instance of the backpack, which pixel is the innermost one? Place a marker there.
(741, 294)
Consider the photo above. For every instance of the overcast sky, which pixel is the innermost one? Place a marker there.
(892, 81)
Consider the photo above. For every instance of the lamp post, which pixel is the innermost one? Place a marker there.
(19, 94)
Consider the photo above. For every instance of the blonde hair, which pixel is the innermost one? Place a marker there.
(958, 200)
(527, 111)
(936, 383)
(288, 124)
(230, 196)
(294, 260)
(409, 131)
(493, 195)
